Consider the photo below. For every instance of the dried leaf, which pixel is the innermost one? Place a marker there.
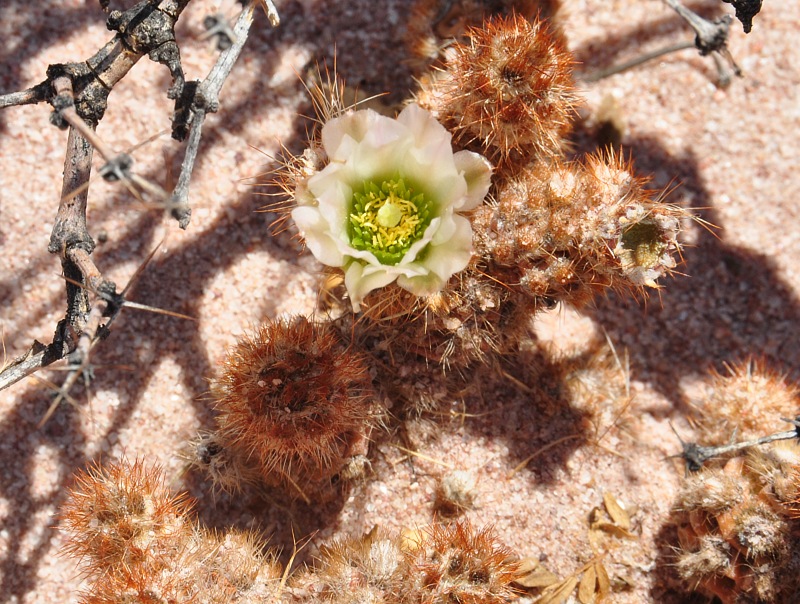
(616, 531)
(558, 594)
(623, 583)
(596, 537)
(603, 582)
(527, 565)
(586, 590)
(618, 513)
(533, 574)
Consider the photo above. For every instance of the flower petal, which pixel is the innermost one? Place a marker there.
(332, 193)
(422, 285)
(364, 146)
(477, 172)
(342, 134)
(317, 234)
(417, 247)
(441, 261)
(370, 162)
(432, 142)
(360, 279)
(447, 228)
(454, 253)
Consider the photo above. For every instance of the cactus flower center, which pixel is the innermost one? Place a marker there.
(386, 218)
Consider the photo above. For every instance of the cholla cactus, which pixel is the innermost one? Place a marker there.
(457, 563)
(439, 564)
(138, 543)
(440, 269)
(565, 230)
(121, 517)
(747, 400)
(295, 406)
(434, 24)
(508, 93)
(355, 570)
(557, 232)
(735, 528)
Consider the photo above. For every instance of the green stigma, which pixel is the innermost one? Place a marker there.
(387, 219)
(643, 241)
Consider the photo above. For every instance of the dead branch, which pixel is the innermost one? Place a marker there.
(36, 94)
(745, 11)
(37, 356)
(711, 37)
(78, 93)
(205, 100)
(70, 232)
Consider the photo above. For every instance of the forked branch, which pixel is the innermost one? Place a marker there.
(78, 93)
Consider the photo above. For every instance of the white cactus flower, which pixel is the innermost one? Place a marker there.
(387, 205)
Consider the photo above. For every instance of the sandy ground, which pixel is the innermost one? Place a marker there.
(728, 154)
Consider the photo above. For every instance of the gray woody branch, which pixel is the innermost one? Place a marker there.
(78, 93)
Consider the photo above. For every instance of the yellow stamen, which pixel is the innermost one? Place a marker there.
(388, 223)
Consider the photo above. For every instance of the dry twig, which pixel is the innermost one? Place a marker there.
(78, 93)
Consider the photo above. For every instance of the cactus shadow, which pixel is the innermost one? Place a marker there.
(731, 304)
(522, 400)
(285, 523)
